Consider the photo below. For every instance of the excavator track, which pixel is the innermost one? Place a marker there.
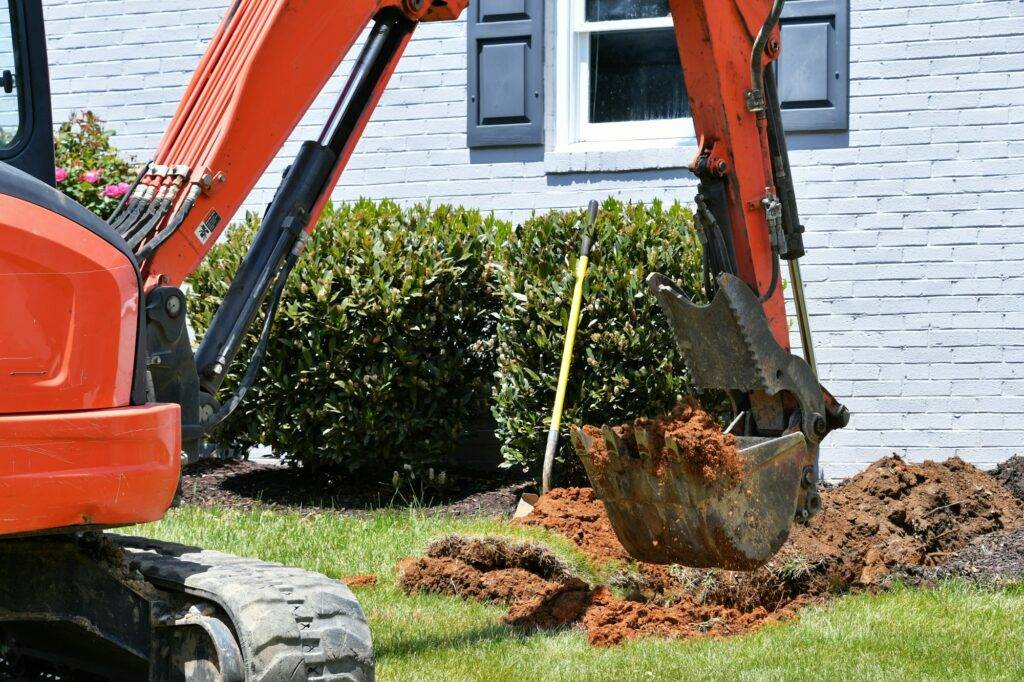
(290, 624)
(130, 608)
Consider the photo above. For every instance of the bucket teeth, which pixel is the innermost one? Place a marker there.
(647, 442)
(580, 440)
(673, 447)
(616, 445)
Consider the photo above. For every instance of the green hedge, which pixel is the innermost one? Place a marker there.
(626, 361)
(382, 348)
(398, 324)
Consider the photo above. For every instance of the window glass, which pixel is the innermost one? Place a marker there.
(10, 111)
(636, 76)
(619, 10)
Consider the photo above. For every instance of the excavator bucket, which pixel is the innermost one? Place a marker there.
(666, 512)
(675, 516)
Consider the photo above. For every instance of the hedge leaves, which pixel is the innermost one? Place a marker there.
(399, 325)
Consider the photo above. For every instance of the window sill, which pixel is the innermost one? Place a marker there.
(607, 158)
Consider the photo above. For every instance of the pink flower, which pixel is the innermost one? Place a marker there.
(115, 191)
(92, 177)
(60, 174)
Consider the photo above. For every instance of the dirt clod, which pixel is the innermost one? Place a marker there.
(539, 588)
(364, 580)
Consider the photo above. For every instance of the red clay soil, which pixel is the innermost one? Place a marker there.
(365, 580)
(892, 516)
(689, 435)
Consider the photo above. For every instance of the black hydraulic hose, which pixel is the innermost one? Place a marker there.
(165, 234)
(783, 175)
(161, 208)
(145, 212)
(756, 72)
(121, 205)
(776, 275)
(131, 214)
(256, 361)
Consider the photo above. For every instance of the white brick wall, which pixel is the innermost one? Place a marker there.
(916, 266)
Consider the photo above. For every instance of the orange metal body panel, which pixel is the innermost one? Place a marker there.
(716, 38)
(70, 305)
(266, 64)
(92, 468)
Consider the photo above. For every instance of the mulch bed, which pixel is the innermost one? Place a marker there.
(241, 484)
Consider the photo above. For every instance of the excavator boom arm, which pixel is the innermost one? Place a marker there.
(264, 67)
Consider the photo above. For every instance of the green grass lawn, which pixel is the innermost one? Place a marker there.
(953, 632)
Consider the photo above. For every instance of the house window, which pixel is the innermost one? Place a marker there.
(620, 75)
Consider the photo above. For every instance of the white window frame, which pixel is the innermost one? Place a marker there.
(574, 130)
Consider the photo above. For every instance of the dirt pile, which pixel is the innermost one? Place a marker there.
(895, 515)
(689, 436)
(995, 558)
(362, 580)
(1011, 474)
(892, 518)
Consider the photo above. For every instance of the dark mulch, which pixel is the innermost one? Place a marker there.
(992, 559)
(246, 485)
(1011, 474)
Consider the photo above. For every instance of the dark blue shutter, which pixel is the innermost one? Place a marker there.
(814, 69)
(506, 73)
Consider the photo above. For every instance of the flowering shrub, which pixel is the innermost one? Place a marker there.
(89, 168)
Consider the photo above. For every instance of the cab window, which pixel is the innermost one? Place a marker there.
(10, 93)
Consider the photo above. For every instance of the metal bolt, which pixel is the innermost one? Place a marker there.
(820, 426)
(809, 477)
(173, 306)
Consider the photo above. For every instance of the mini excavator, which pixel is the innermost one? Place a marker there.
(102, 395)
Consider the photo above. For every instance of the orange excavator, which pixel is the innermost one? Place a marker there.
(102, 395)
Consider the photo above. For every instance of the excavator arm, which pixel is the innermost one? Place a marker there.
(739, 343)
(266, 64)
